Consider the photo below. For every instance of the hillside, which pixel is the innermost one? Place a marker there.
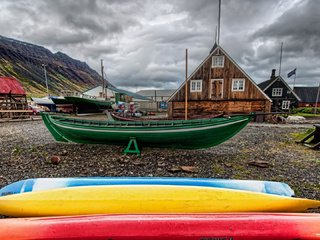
(24, 61)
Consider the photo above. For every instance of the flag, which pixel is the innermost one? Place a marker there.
(293, 72)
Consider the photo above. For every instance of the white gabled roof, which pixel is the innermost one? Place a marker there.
(212, 52)
(285, 83)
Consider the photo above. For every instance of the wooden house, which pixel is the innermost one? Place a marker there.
(13, 99)
(308, 96)
(218, 84)
(282, 95)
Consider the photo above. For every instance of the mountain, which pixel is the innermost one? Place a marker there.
(24, 61)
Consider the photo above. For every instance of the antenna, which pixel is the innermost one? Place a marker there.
(219, 17)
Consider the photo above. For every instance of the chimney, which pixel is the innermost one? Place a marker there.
(273, 74)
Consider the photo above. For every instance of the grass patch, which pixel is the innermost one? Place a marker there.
(300, 135)
(16, 151)
(218, 169)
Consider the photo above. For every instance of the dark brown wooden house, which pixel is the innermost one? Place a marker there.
(13, 99)
(218, 84)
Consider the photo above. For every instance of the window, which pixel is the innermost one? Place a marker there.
(276, 92)
(196, 86)
(285, 104)
(238, 85)
(218, 61)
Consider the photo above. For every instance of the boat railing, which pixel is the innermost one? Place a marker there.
(149, 124)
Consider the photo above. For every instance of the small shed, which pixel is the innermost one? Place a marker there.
(13, 99)
(218, 85)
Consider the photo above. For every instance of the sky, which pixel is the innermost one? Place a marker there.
(143, 42)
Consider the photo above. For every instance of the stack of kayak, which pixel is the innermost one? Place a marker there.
(155, 208)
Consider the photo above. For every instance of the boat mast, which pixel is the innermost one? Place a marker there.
(186, 89)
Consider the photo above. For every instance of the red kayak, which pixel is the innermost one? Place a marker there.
(144, 227)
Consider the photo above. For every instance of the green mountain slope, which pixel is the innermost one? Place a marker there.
(24, 61)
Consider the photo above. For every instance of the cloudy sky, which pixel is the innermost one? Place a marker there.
(143, 42)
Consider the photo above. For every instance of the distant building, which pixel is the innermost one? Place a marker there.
(13, 99)
(218, 85)
(97, 92)
(282, 95)
(114, 94)
(308, 96)
(157, 99)
(157, 95)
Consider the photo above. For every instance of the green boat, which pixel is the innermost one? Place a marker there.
(188, 134)
(89, 105)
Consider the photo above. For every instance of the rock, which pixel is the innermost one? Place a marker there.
(189, 169)
(229, 165)
(55, 159)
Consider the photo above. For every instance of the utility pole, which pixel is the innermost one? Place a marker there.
(103, 90)
(186, 89)
(280, 59)
(45, 76)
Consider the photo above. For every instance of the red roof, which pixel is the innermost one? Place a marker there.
(10, 84)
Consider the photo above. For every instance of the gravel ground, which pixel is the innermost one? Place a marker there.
(27, 149)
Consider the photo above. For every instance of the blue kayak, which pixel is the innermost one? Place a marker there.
(39, 184)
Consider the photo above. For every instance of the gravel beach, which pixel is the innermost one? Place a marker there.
(260, 151)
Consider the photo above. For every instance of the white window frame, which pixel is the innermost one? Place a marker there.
(215, 63)
(277, 92)
(196, 85)
(235, 86)
(285, 104)
(212, 80)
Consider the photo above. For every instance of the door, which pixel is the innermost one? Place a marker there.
(216, 88)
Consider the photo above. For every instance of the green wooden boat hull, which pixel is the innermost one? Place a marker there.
(86, 105)
(189, 134)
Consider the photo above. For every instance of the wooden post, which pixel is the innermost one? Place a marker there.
(315, 109)
(186, 89)
(155, 99)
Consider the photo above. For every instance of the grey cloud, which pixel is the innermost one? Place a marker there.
(298, 29)
(143, 42)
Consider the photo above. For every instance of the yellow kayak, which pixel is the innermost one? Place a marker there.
(144, 199)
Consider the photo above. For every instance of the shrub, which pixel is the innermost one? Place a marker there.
(309, 110)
